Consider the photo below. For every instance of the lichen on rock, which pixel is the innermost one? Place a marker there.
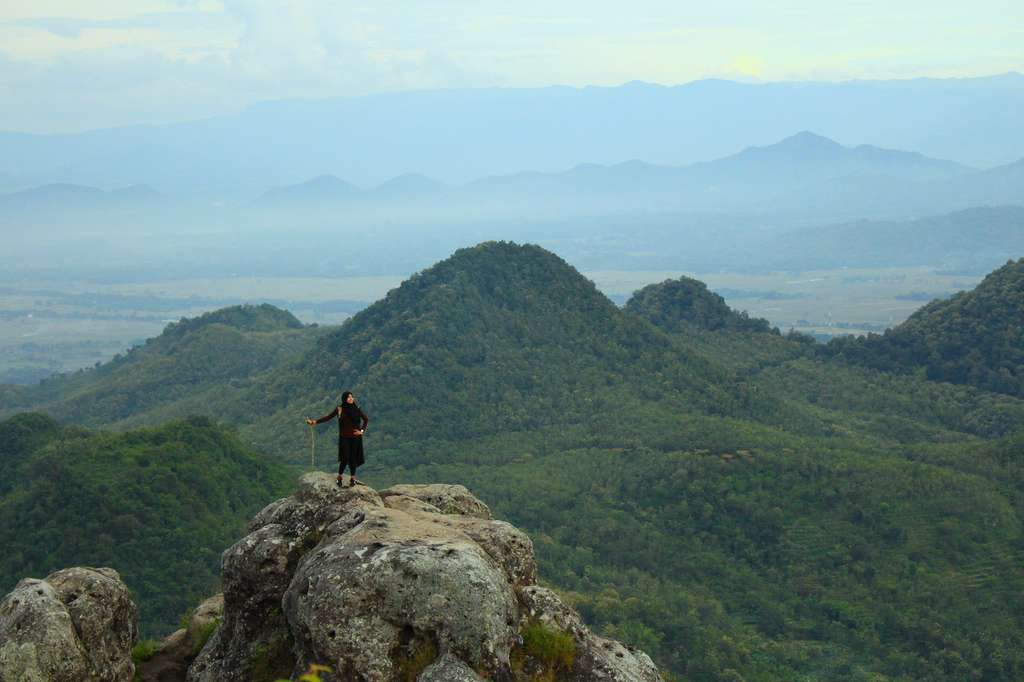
(416, 581)
(76, 624)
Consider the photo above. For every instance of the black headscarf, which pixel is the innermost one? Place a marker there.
(350, 410)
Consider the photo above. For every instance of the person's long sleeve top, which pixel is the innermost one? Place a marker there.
(346, 424)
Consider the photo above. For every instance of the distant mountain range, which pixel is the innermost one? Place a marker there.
(64, 197)
(458, 135)
(804, 202)
(804, 174)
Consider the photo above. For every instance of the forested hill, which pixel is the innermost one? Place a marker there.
(182, 371)
(975, 338)
(159, 505)
(246, 318)
(734, 502)
(497, 338)
(685, 303)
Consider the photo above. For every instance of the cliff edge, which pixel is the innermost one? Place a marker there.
(416, 582)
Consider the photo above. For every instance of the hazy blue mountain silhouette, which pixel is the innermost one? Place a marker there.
(321, 189)
(66, 196)
(458, 135)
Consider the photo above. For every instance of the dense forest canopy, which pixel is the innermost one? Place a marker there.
(677, 304)
(158, 505)
(742, 504)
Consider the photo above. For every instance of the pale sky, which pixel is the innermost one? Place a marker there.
(76, 65)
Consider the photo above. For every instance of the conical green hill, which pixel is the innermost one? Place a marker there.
(975, 337)
(497, 338)
(677, 305)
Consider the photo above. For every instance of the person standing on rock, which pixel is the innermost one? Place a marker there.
(352, 422)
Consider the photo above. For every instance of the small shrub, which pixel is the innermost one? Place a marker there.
(144, 650)
(554, 648)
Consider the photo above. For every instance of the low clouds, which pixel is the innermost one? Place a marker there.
(67, 66)
(74, 73)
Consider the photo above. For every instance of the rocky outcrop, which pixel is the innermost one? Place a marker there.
(77, 624)
(175, 654)
(414, 582)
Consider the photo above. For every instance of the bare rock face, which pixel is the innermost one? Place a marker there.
(449, 499)
(77, 624)
(254, 641)
(417, 582)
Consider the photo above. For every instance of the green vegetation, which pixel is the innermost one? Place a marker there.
(682, 304)
(144, 650)
(416, 659)
(194, 364)
(246, 318)
(974, 338)
(158, 505)
(739, 504)
(554, 649)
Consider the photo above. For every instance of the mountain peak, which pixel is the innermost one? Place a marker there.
(676, 305)
(503, 273)
(806, 140)
(809, 136)
(251, 318)
(325, 187)
(409, 183)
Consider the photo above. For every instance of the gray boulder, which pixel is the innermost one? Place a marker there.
(254, 640)
(393, 585)
(77, 624)
(417, 582)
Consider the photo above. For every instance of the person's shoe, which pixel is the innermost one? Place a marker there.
(352, 482)
(341, 481)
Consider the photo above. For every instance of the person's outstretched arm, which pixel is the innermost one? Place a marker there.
(327, 417)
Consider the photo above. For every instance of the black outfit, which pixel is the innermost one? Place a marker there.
(350, 444)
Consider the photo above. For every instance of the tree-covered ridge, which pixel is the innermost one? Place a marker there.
(496, 338)
(171, 375)
(678, 305)
(159, 505)
(975, 337)
(247, 318)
